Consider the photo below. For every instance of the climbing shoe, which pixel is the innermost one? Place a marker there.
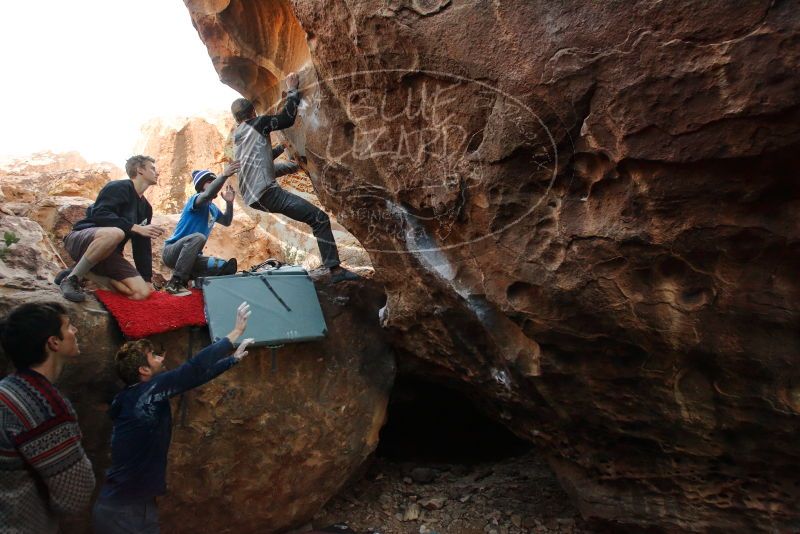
(343, 275)
(71, 288)
(229, 267)
(61, 275)
(175, 287)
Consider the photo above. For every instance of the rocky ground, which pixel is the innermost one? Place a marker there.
(512, 496)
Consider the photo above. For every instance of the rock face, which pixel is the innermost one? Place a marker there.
(45, 174)
(584, 212)
(181, 145)
(283, 442)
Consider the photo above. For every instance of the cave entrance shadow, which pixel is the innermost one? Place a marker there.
(432, 423)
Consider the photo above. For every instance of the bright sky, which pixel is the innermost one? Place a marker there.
(86, 75)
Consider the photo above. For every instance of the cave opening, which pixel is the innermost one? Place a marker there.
(433, 423)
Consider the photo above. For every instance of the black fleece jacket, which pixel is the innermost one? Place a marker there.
(119, 205)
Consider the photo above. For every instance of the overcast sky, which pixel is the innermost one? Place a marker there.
(86, 75)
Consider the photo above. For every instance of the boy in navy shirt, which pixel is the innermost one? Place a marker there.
(142, 426)
(183, 250)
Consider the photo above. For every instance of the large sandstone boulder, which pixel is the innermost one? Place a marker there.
(26, 255)
(585, 213)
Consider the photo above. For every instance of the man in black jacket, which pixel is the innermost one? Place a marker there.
(119, 214)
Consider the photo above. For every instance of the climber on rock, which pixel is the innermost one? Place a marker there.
(142, 426)
(257, 184)
(119, 214)
(183, 250)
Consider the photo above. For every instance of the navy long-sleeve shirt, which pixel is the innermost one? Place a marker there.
(142, 424)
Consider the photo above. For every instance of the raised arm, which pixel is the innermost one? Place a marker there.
(215, 186)
(284, 119)
(205, 365)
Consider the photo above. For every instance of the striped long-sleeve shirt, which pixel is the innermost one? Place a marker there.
(44, 471)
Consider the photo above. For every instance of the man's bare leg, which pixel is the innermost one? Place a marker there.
(109, 284)
(104, 241)
(137, 287)
(102, 282)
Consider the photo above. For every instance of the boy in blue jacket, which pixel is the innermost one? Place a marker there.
(142, 427)
(183, 250)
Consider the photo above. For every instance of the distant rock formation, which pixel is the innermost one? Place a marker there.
(180, 145)
(585, 213)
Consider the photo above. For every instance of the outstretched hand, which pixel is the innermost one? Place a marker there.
(231, 169)
(242, 315)
(241, 350)
(228, 194)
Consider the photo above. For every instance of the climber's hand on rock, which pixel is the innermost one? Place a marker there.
(292, 81)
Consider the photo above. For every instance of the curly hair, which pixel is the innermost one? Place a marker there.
(130, 357)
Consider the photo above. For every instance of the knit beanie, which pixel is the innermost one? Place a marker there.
(200, 177)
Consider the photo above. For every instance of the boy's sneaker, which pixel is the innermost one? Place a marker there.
(71, 289)
(176, 288)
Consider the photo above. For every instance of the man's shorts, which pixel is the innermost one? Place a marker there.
(115, 266)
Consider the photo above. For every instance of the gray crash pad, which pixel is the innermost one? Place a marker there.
(284, 304)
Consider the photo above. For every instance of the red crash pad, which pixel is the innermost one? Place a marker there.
(160, 312)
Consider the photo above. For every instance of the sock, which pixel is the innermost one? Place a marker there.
(82, 267)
